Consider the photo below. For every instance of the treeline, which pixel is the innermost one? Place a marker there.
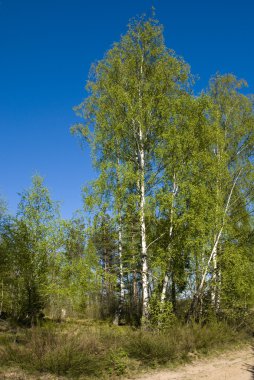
(168, 227)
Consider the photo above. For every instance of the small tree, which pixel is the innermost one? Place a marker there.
(27, 243)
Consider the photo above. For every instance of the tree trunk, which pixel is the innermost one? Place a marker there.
(215, 288)
(198, 293)
(119, 314)
(166, 276)
(164, 288)
(144, 264)
(173, 292)
(214, 282)
(141, 163)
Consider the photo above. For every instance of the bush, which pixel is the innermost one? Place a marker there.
(151, 348)
(67, 353)
(161, 315)
(175, 343)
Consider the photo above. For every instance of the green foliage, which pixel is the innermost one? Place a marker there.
(161, 314)
(118, 362)
(27, 243)
(23, 286)
(74, 275)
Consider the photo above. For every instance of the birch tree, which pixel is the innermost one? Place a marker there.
(234, 155)
(28, 241)
(131, 94)
(232, 147)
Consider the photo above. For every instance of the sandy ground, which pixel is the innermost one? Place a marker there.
(236, 365)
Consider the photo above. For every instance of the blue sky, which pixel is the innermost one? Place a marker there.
(46, 49)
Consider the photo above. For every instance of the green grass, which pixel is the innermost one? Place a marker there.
(80, 350)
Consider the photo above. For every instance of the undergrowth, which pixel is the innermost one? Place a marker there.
(101, 351)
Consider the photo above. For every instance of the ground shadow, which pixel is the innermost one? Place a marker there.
(249, 367)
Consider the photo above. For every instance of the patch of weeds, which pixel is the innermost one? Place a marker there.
(152, 348)
(118, 362)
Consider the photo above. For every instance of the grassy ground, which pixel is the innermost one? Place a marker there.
(88, 350)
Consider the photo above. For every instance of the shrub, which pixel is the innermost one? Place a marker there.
(161, 315)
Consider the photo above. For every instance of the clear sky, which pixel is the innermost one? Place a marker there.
(46, 48)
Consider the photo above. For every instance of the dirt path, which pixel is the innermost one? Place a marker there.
(236, 365)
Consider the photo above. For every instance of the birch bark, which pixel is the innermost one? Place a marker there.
(198, 294)
(144, 263)
(166, 277)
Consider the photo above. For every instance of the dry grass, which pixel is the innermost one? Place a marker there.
(87, 350)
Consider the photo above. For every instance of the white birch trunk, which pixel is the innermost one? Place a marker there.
(119, 312)
(214, 281)
(141, 159)
(214, 261)
(166, 277)
(215, 288)
(164, 288)
(144, 264)
(120, 253)
(219, 291)
(215, 246)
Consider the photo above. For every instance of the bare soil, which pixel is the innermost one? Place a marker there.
(236, 365)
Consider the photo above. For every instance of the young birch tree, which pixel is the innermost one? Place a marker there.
(232, 147)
